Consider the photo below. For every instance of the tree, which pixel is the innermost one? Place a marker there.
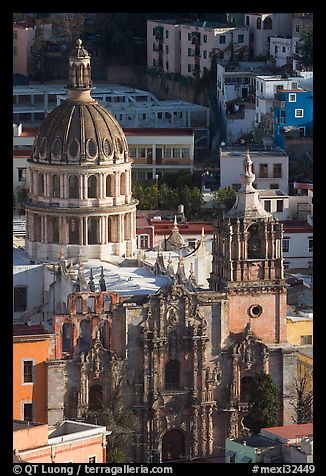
(303, 401)
(304, 57)
(225, 197)
(38, 64)
(263, 405)
(70, 26)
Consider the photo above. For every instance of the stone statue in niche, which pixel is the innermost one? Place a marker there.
(172, 316)
(247, 354)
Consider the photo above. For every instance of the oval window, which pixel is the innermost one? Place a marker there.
(43, 146)
(57, 147)
(73, 148)
(119, 144)
(107, 147)
(91, 148)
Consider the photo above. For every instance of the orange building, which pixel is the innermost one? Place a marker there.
(33, 346)
(70, 442)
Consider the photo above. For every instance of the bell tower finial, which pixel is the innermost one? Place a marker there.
(79, 77)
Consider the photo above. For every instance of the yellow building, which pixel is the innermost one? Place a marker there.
(299, 329)
(305, 365)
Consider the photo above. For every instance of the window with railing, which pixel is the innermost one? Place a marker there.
(277, 170)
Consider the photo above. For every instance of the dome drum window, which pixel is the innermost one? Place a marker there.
(255, 310)
(57, 148)
(73, 149)
(119, 145)
(107, 147)
(91, 148)
(43, 147)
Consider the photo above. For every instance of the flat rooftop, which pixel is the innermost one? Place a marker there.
(254, 151)
(257, 441)
(22, 425)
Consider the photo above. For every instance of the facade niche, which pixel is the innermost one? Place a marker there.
(73, 231)
(254, 243)
(173, 445)
(95, 398)
(55, 186)
(92, 231)
(172, 375)
(92, 187)
(85, 334)
(79, 305)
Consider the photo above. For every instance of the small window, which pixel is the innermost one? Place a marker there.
(247, 20)
(205, 38)
(22, 174)
(28, 412)
(166, 34)
(92, 459)
(261, 87)
(267, 205)
(167, 65)
(280, 87)
(294, 85)
(222, 39)
(298, 113)
(20, 298)
(297, 28)
(189, 68)
(144, 241)
(285, 246)
(167, 49)
(189, 36)
(28, 371)
(279, 206)
(310, 245)
(263, 170)
(189, 52)
(205, 54)
(283, 49)
(292, 97)
(277, 170)
(306, 340)
(176, 152)
(185, 152)
(240, 38)
(15, 34)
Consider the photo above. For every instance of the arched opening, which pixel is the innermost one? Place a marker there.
(95, 397)
(66, 337)
(92, 187)
(53, 223)
(91, 304)
(172, 375)
(246, 389)
(73, 186)
(84, 334)
(267, 23)
(92, 225)
(109, 229)
(79, 305)
(73, 231)
(37, 228)
(40, 184)
(254, 243)
(247, 20)
(173, 445)
(258, 23)
(123, 189)
(55, 186)
(109, 186)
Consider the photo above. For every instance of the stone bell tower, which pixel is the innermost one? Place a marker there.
(248, 265)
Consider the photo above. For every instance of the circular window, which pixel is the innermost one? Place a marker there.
(43, 146)
(119, 144)
(107, 147)
(91, 148)
(57, 147)
(255, 310)
(73, 148)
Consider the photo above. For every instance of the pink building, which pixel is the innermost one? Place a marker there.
(23, 39)
(70, 442)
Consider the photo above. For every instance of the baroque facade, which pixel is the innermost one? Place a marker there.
(182, 359)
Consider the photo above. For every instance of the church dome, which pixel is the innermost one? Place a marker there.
(76, 132)
(80, 130)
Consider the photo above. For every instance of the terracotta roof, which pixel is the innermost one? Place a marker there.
(296, 226)
(25, 330)
(163, 227)
(291, 432)
(21, 153)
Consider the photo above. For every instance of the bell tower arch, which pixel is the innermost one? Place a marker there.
(248, 264)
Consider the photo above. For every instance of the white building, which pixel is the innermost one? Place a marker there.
(281, 50)
(154, 151)
(131, 107)
(185, 48)
(271, 168)
(263, 26)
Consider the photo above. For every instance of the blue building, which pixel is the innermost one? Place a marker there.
(293, 113)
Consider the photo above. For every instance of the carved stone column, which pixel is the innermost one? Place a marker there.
(203, 431)
(195, 432)
(210, 433)
(195, 368)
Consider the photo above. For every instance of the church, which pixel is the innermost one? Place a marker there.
(182, 358)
